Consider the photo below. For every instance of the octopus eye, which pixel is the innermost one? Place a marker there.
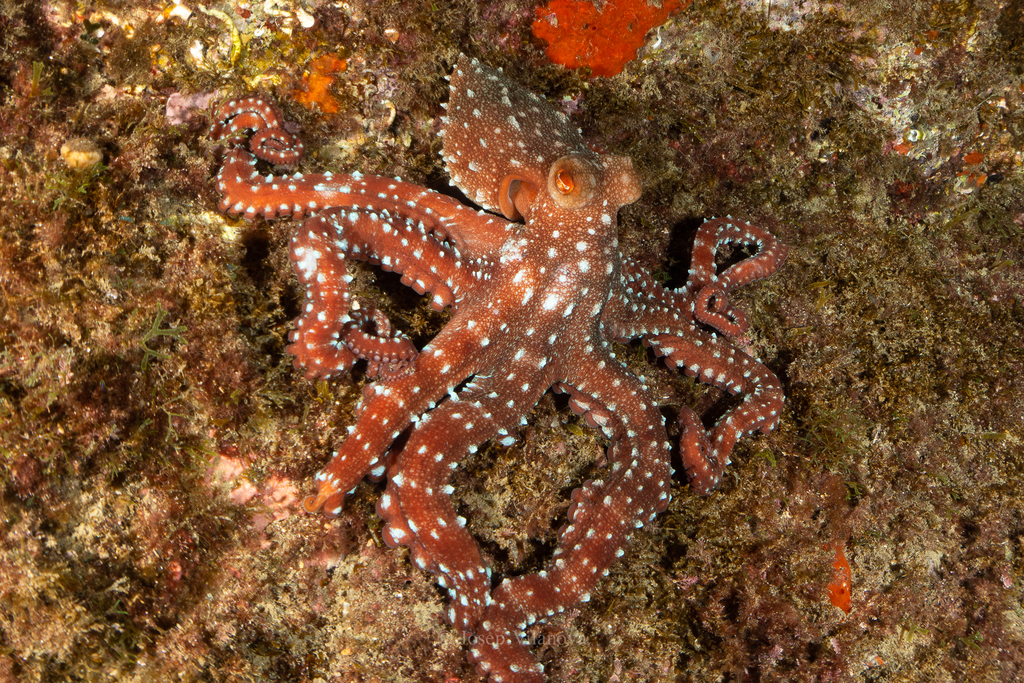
(564, 181)
(572, 181)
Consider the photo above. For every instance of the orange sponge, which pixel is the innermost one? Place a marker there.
(317, 83)
(579, 35)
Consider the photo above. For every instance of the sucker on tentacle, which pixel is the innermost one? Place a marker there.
(535, 305)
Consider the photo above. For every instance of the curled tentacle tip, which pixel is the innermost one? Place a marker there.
(313, 503)
(714, 298)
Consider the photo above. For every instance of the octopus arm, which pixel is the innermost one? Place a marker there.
(331, 334)
(244, 191)
(270, 141)
(397, 244)
(388, 408)
(709, 290)
(715, 233)
(714, 361)
(417, 505)
(473, 234)
(643, 307)
(317, 342)
(640, 306)
(601, 519)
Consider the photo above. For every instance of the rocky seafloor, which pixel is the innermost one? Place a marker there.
(156, 443)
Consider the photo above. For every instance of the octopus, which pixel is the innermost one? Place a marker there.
(538, 291)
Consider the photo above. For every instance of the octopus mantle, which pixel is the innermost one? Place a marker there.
(538, 290)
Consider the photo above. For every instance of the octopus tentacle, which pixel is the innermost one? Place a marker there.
(699, 463)
(400, 245)
(646, 308)
(270, 141)
(596, 416)
(386, 231)
(328, 338)
(316, 341)
(642, 311)
(385, 412)
(771, 254)
(712, 361)
(601, 520)
(711, 307)
(418, 494)
(245, 191)
(390, 353)
(640, 306)
(331, 334)
(710, 290)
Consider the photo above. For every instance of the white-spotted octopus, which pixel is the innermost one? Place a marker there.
(537, 295)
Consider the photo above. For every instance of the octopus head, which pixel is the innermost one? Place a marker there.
(512, 152)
